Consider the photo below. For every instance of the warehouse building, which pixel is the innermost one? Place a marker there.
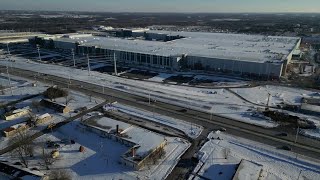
(253, 55)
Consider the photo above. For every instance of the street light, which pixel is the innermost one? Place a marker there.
(115, 63)
(8, 50)
(211, 112)
(9, 79)
(74, 62)
(38, 48)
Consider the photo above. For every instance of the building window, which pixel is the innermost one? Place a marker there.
(148, 58)
(143, 58)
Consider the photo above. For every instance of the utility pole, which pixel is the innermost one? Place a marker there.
(38, 48)
(88, 64)
(9, 80)
(268, 101)
(74, 61)
(69, 83)
(8, 50)
(115, 63)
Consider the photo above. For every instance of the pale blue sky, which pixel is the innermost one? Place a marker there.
(165, 5)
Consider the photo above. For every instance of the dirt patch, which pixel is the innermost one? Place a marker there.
(180, 79)
(140, 74)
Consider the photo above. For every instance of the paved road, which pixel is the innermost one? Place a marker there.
(304, 145)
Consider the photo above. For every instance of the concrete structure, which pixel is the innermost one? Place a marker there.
(16, 37)
(254, 55)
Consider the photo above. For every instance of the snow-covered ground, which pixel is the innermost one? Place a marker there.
(20, 91)
(278, 94)
(192, 130)
(220, 158)
(217, 101)
(101, 157)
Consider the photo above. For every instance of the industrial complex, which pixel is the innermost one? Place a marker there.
(252, 55)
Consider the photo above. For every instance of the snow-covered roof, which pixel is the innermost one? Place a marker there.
(44, 116)
(16, 126)
(21, 110)
(215, 45)
(145, 139)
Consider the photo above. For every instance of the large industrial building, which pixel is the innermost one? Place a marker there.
(253, 55)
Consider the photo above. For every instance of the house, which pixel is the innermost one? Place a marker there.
(61, 108)
(43, 118)
(8, 171)
(12, 130)
(16, 113)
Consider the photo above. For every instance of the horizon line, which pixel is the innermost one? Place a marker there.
(163, 12)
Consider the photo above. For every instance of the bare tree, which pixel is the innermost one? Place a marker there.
(60, 174)
(24, 147)
(69, 99)
(46, 157)
(32, 119)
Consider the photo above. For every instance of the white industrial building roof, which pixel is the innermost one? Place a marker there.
(145, 139)
(255, 48)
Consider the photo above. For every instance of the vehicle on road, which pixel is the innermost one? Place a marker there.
(282, 134)
(285, 147)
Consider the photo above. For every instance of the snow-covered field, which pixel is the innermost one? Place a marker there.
(278, 94)
(20, 91)
(219, 159)
(217, 101)
(192, 130)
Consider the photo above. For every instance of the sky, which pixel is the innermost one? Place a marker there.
(164, 5)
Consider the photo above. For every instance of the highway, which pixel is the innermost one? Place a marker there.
(306, 146)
